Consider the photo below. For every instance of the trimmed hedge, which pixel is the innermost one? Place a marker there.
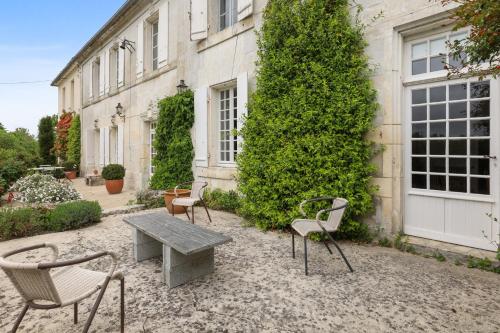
(313, 106)
(29, 221)
(173, 144)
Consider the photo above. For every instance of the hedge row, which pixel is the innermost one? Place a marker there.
(29, 221)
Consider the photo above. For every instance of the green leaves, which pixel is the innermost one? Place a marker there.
(173, 145)
(74, 144)
(313, 106)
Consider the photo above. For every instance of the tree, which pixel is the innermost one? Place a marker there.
(18, 152)
(313, 105)
(2, 127)
(479, 53)
(46, 137)
(62, 128)
(74, 143)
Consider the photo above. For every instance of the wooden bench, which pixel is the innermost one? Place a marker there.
(187, 249)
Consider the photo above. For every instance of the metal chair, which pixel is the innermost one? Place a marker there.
(197, 189)
(66, 286)
(306, 226)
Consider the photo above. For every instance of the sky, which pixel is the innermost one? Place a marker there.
(37, 39)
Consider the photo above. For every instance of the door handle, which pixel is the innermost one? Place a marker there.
(490, 157)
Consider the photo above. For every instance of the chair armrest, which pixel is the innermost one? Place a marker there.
(53, 247)
(318, 214)
(301, 206)
(114, 258)
(175, 189)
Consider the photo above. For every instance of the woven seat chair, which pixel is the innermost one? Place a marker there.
(306, 226)
(197, 189)
(66, 286)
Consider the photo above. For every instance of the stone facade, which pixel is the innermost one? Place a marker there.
(211, 60)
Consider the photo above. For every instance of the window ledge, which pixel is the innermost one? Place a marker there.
(226, 34)
(218, 172)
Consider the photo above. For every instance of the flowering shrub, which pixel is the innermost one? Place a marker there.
(62, 128)
(38, 188)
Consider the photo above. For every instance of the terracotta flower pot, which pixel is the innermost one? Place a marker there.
(70, 174)
(170, 195)
(114, 186)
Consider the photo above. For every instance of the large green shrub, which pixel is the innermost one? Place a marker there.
(29, 221)
(18, 152)
(308, 118)
(113, 172)
(74, 144)
(46, 138)
(173, 145)
(219, 200)
(73, 215)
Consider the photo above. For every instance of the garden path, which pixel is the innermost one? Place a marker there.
(99, 193)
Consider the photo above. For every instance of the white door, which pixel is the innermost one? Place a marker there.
(451, 149)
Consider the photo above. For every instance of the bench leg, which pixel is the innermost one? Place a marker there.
(145, 247)
(179, 268)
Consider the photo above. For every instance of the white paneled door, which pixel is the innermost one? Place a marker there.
(451, 161)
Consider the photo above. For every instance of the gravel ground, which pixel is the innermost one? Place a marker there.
(258, 287)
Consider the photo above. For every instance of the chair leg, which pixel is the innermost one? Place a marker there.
(293, 244)
(173, 209)
(327, 247)
(192, 213)
(96, 305)
(341, 253)
(186, 211)
(206, 210)
(20, 318)
(122, 304)
(75, 313)
(305, 254)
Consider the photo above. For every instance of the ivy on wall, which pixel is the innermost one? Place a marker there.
(308, 118)
(173, 145)
(62, 128)
(74, 144)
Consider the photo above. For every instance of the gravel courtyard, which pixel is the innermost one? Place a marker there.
(257, 287)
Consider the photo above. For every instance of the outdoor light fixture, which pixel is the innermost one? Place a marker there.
(127, 44)
(96, 123)
(119, 110)
(181, 87)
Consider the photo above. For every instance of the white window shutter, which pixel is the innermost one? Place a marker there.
(102, 144)
(102, 71)
(119, 138)
(121, 67)
(201, 126)
(199, 19)
(163, 34)
(91, 78)
(106, 145)
(242, 86)
(106, 71)
(245, 9)
(140, 49)
(89, 148)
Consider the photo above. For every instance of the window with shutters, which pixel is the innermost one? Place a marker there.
(228, 13)
(96, 65)
(227, 121)
(154, 44)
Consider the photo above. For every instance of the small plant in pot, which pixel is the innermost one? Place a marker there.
(113, 175)
(70, 169)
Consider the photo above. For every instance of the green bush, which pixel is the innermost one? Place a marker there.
(220, 200)
(58, 174)
(22, 222)
(74, 215)
(150, 198)
(69, 166)
(113, 172)
(305, 135)
(74, 144)
(46, 138)
(173, 144)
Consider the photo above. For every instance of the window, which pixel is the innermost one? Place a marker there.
(228, 125)
(154, 44)
(63, 103)
(450, 137)
(152, 152)
(431, 55)
(72, 95)
(228, 13)
(96, 77)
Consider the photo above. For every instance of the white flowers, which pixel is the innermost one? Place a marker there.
(38, 188)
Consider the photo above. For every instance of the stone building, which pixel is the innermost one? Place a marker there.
(437, 175)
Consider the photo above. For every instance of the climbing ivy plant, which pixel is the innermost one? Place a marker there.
(74, 144)
(309, 116)
(173, 145)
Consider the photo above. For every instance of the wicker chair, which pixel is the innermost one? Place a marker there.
(197, 189)
(66, 286)
(306, 226)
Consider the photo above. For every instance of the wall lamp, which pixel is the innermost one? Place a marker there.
(127, 44)
(119, 110)
(181, 87)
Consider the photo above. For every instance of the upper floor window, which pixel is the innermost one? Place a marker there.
(228, 13)
(154, 44)
(432, 55)
(96, 72)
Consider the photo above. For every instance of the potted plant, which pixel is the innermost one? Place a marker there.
(70, 169)
(169, 195)
(113, 175)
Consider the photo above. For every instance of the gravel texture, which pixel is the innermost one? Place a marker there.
(258, 287)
